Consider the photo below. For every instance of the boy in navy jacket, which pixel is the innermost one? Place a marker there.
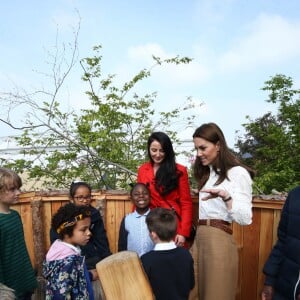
(170, 269)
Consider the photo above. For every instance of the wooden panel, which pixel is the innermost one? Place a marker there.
(120, 213)
(250, 258)
(238, 235)
(111, 229)
(26, 215)
(127, 207)
(254, 242)
(114, 269)
(265, 246)
(55, 206)
(47, 212)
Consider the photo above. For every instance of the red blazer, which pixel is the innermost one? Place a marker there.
(180, 199)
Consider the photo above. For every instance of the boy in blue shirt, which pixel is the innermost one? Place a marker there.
(134, 234)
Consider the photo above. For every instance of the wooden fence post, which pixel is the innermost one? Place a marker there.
(38, 246)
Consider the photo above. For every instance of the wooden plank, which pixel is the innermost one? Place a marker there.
(38, 234)
(47, 213)
(250, 257)
(120, 213)
(55, 206)
(26, 215)
(253, 241)
(127, 207)
(238, 235)
(111, 229)
(265, 244)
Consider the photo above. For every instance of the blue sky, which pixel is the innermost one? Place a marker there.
(236, 45)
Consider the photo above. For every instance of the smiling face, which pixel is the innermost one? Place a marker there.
(156, 152)
(81, 233)
(140, 196)
(207, 152)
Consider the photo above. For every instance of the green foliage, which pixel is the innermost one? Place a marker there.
(103, 144)
(271, 144)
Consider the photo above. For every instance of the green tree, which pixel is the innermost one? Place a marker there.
(271, 144)
(104, 143)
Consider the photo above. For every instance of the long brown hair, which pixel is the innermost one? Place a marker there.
(225, 160)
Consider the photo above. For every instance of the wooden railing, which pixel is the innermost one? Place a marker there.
(254, 241)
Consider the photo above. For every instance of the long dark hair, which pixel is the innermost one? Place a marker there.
(166, 177)
(225, 160)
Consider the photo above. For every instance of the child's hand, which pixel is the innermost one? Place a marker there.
(267, 293)
(94, 273)
(179, 240)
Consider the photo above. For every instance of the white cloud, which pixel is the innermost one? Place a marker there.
(168, 74)
(271, 39)
(143, 53)
(212, 11)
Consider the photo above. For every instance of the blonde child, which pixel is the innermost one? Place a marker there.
(16, 271)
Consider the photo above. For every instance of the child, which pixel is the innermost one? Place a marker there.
(134, 234)
(98, 247)
(169, 269)
(64, 268)
(16, 271)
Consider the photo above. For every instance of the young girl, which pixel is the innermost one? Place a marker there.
(134, 234)
(15, 267)
(64, 268)
(98, 247)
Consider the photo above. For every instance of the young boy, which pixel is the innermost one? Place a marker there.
(134, 234)
(16, 271)
(169, 268)
(64, 268)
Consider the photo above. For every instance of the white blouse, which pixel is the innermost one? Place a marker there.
(239, 186)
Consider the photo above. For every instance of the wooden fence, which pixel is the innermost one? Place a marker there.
(254, 241)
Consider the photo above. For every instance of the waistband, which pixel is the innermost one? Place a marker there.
(221, 224)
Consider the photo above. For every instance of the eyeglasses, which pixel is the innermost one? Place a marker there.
(82, 198)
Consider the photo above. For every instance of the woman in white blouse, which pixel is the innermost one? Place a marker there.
(225, 185)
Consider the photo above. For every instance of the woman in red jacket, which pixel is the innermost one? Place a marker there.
(168, 183)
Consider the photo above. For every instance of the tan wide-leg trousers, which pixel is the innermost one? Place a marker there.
(215, 263)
